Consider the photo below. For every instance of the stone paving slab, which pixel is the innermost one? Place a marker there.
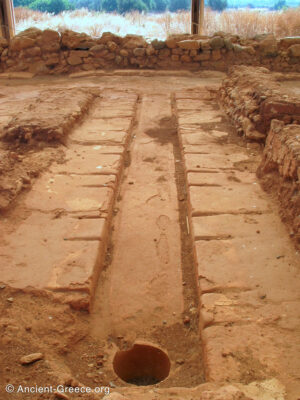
(89, 160)
(233, 262)
(234, 353)
(193, 134)
(248, 307)
(119, 96)
(192, 118)
(196, 105)
(104, 124)
(56, 262)
(212, 161)
(61, 192)
(247, 266)
(229, 199)
(223, 178)
(106, 108)
(102, 149)
(231, 226)
(229, 150)
(67, 212)
(193, 94)
(109, 111)
(95, 136)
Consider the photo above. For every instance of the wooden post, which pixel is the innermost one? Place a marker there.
(197, 17)
(7, 19)
(201, 22)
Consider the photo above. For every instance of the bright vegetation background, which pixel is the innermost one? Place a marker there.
(246, 23)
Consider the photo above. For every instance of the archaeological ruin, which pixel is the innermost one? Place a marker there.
(150, 215)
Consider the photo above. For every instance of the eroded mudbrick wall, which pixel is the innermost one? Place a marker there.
(49, 52)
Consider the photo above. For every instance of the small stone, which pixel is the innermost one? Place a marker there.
(164, 322)
(31, 358)
(2, 286)
(112, 46)
(186, 320)
(61, 396)
(180, 361)
(216, 42)
(189, 44)
(118, 60)
(10, 299)
(74, 60)
(139, 52)
(124, 53)
(111, 384)
(158, 44)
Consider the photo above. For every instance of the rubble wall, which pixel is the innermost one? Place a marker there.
(49, 52)
(264, 111)
(252, 98)
(280, 169)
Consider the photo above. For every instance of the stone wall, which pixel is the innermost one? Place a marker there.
(264, 111)
(49, 52)
(252, 97)
(280, 169)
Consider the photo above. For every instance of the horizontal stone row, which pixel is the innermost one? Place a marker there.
(47, 51)
(281, 158)
(247, 295)
(69, 209)
(252, 97)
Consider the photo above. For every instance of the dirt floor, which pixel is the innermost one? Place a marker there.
(131, 214)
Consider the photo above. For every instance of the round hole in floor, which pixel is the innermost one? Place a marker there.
(142, 365)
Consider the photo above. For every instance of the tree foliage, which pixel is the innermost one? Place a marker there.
(131, 5)
(280, 5)
(120, 6)
(51, 6)
(161, 5)
(109, 5)
(176, 5)
(218, 5)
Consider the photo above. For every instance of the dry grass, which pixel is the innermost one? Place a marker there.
(246, 23)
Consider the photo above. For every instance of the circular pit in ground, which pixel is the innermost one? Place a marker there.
(142, 365)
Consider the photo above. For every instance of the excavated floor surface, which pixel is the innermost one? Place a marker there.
(142, 222)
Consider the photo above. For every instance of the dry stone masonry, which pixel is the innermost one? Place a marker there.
(281, 160)
(49, 52)
(264, 111)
